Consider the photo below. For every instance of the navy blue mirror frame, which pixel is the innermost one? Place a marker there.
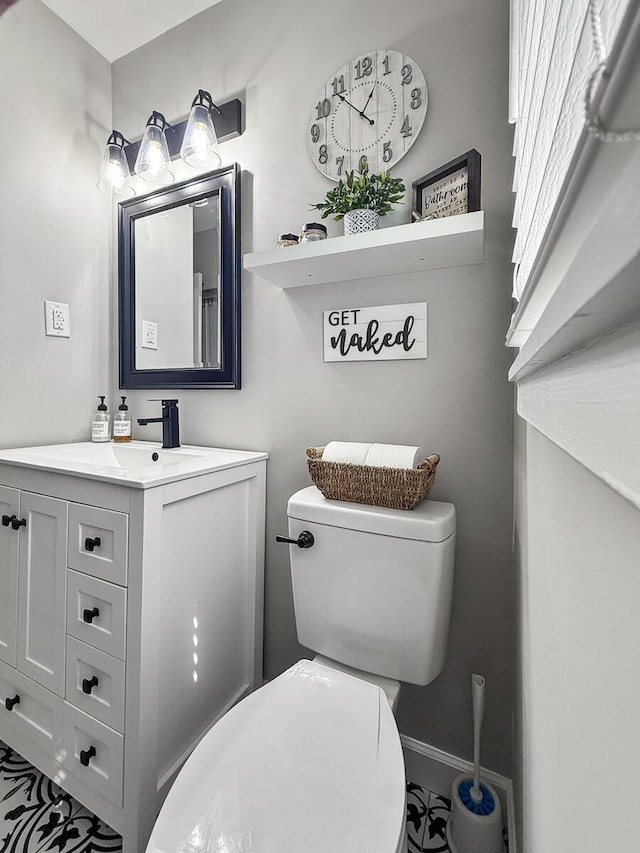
(226, 183)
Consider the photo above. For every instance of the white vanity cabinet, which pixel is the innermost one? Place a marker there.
(33, 555)
(130, 622)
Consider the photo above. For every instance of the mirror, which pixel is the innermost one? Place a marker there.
(179, 285)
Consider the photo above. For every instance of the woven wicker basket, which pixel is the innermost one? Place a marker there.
(398, 488)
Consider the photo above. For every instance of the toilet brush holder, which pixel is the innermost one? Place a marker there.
(468, 832)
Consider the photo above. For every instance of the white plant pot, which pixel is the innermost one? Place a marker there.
(357, 221)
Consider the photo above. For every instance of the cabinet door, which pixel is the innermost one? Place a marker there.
(41, 590)
(9, 506)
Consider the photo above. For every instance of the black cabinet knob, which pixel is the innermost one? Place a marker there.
(9, 703)
(90, 615)
(305, 540)
(7, 520)
(90, 544)
(17, 523)
(86, 755)
(89, 683)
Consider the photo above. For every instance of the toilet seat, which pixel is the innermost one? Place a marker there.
(311, 761)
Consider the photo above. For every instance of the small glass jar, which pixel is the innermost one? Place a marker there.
(313, 231)
(287, 240)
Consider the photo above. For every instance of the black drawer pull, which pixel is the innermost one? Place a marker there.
(7, 520)
(9, 704)
(90, 544)
(86, 755)
(89, 683)
(17, 523)
(90, 615)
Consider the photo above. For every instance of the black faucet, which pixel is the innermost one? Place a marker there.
(169, 421)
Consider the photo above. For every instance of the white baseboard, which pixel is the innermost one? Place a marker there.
(436, 770)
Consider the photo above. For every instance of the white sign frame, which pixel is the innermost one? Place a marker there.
(376, 333)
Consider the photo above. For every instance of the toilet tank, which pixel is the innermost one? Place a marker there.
(374, 590)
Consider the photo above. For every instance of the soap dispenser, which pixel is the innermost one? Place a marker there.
(100, 424)
(122, 422)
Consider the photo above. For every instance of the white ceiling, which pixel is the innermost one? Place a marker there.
(116, 27)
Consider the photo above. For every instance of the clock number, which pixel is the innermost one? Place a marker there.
(407, 74)
(406, 129)
(364, 68)
(416, 98)
(362, 162)
(387, 153)
(385, 62)
(339, 164)
(323, 108)
(322, 154)
(338, 85)
(315, 132)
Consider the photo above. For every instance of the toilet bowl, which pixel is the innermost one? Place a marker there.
(310, 762)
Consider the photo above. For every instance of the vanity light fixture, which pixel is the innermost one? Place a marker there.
(152, 162)
(200, 144)
(115, 178)
(195, 140)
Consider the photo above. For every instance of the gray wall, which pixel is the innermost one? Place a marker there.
(578, 547)
(55, 227)
(275, 56)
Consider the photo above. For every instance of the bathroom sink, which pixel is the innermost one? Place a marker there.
(140, 464)
(128, 457)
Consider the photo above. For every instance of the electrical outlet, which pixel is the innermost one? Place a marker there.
(56, 315)
(149, 335)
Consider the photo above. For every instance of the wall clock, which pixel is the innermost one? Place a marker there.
(371, 110)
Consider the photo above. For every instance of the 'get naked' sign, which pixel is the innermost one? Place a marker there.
(379, 333)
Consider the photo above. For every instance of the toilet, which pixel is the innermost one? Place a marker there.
(312, 761)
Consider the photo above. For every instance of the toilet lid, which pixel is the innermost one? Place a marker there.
(310, 762)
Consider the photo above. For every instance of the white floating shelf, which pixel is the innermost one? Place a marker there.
(453, 241)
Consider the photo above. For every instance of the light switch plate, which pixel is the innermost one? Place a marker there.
(56, 317)
(149, 335)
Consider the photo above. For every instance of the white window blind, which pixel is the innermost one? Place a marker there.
(552, 57)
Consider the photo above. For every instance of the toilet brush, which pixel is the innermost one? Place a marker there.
(475, 825)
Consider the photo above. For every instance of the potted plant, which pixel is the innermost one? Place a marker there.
(361, 199)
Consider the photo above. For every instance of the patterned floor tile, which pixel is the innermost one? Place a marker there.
(417, 808)
(36, 816)
(438, 812)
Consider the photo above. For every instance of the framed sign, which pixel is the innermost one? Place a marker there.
(379, 333)
(453, 188)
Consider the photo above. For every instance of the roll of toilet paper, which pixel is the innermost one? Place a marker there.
(354, 452)
(394, 456)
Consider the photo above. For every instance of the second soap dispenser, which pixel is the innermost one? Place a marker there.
(122, 422)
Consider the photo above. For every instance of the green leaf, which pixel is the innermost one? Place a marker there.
(362, 190)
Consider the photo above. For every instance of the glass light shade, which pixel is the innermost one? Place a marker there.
(152, 162)
(200, 143)
(115, 177)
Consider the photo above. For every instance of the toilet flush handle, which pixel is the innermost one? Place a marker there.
(305, 540)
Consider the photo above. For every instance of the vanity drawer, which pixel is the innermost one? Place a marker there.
(37, 713)
(98, 542)
(96, 613)
(95, 683)
(94, 753)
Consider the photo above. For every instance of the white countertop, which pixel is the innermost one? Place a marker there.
(131, 463)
